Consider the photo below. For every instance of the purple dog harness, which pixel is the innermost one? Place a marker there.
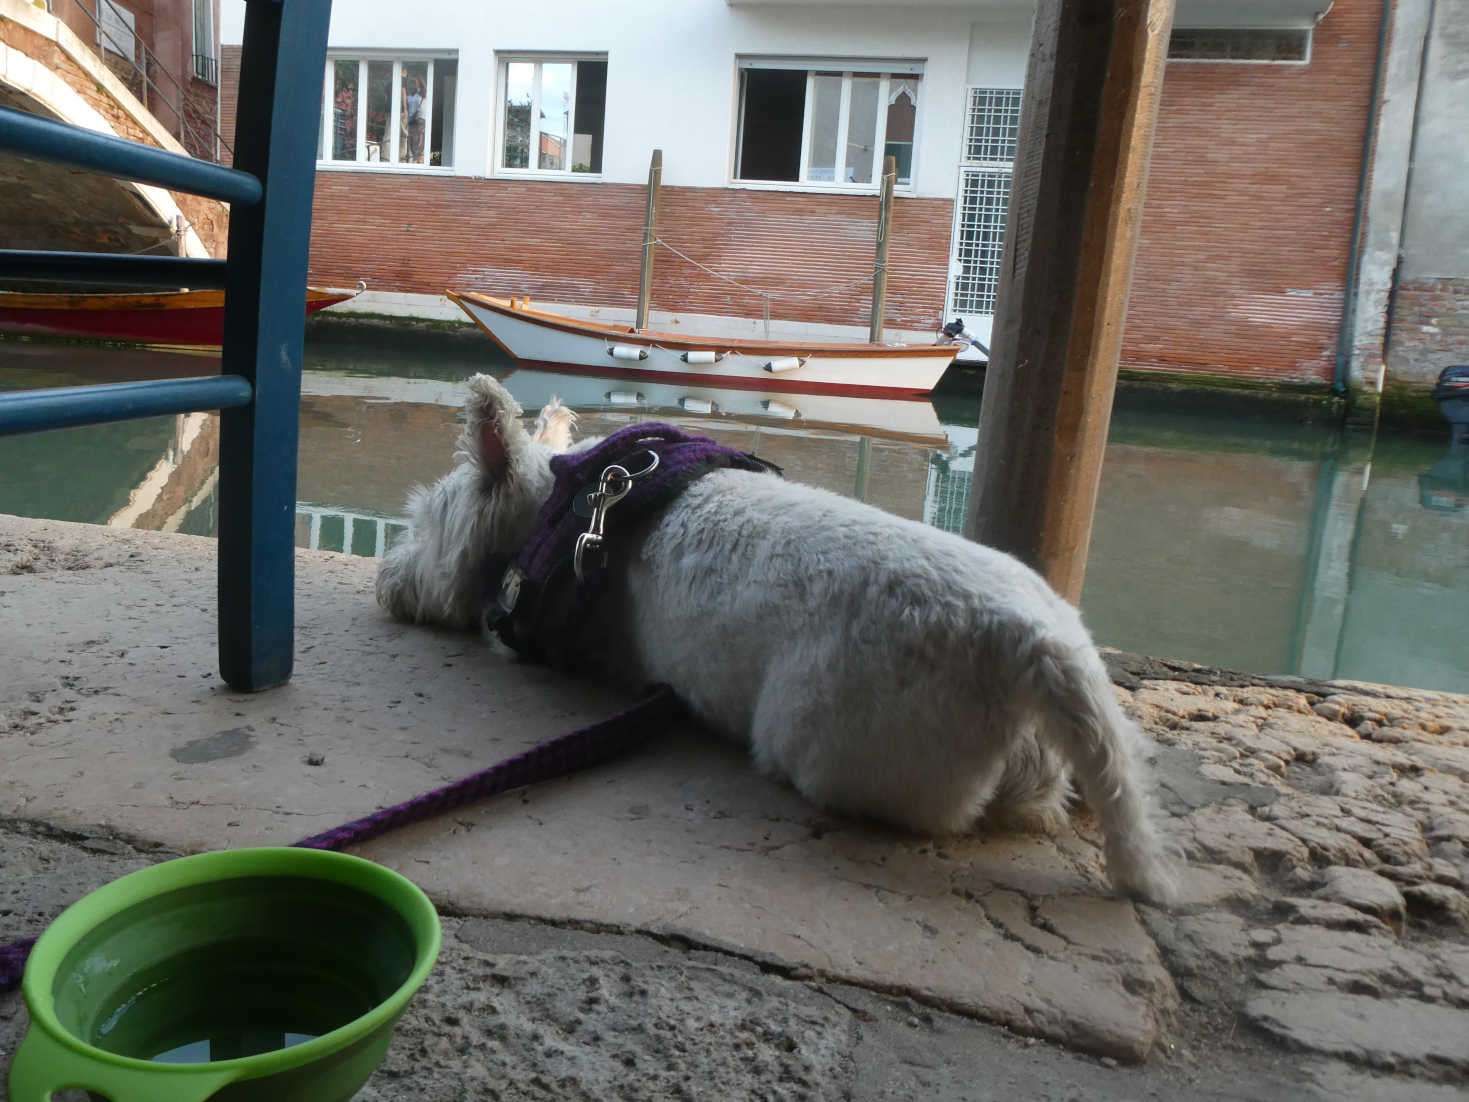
(560, 574)
(550, 599)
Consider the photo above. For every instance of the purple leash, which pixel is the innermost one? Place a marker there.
(569, 753)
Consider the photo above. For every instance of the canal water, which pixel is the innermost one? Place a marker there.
(1228, 533)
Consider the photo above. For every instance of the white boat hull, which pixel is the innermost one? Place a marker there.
(558, 343)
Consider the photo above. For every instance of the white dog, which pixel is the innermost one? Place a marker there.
(885, 667)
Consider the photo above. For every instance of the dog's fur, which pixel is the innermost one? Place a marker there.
(886, 668)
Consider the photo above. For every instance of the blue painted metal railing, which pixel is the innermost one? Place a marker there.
(62, 143)
(69, 406)
(113, 269)
(264, 280)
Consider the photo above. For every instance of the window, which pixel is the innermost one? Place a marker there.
(116, 30)
(205, 66)
(826, 123)
(552, 110)
(386, 111)
(991, 131)
(1236, 44)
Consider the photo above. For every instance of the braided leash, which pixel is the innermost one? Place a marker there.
(569, 753)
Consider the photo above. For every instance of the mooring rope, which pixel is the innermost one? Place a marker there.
(767, 296)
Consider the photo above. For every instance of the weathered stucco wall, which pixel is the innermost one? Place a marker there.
(1430, 315)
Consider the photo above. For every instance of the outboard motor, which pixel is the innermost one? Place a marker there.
(955, 331)
(1444, 487)
(1451, 392)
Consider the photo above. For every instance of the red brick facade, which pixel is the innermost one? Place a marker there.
(229, 89)
(1430, 328)
(581, 243)
(165, 30)
(1246, 232)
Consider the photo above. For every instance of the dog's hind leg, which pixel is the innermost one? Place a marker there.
(875, 756)
(1081, 715)
(1033, 791)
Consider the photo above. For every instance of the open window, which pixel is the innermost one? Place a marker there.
(826, 123)
(552, 111)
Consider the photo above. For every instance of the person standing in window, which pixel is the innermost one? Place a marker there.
(413, 114)
(344, 123)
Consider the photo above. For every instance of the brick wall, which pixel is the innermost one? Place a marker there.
(229, 90)
(1430, 328)
(581, 243)
(1246, 230)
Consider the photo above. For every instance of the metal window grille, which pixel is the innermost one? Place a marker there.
(991, 133)
(1238, 44)
(993, 125)
(946, 497)
(984, 199)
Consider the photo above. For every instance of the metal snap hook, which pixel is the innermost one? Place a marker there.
(614, 485)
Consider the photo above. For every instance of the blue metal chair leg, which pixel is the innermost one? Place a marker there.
(277, 125)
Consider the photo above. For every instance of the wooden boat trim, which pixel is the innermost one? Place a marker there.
(681, 342)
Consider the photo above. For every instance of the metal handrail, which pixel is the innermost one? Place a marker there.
(113, 269)
(202, 141)
(49, 140)
(71, 406)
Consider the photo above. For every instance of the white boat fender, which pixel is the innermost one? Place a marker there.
(696, 405)
(627, 352)
(785, 363)
(702, 356)
(780, 409)
(624, 398)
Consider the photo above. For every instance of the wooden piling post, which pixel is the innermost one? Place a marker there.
(1091, 98)
(650, 232)
(880, 269)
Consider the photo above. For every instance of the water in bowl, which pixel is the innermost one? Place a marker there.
(234, 970)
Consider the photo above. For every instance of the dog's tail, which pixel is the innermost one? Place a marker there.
(1081, 714)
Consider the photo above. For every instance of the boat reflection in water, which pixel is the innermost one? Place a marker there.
(392, 433)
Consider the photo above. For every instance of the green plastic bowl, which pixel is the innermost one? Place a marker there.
(269, 974)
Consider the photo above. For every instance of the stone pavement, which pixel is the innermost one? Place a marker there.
(673, 925)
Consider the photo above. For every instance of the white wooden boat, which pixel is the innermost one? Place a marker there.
(554, 341)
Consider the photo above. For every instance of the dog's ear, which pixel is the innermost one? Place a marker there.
(492, 435)
(554, 425)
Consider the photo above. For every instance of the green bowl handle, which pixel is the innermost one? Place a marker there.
(43, 1065)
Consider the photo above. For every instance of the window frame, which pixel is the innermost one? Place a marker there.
(391, 162)
(503, 60)
(845, 67)
(205, 61)
(1310, 42)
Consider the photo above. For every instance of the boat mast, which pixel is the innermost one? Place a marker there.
(650, 229)
(880, 270)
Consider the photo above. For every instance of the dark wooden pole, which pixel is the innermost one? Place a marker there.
(650, 233)
(1086, 129)
(884, 225)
